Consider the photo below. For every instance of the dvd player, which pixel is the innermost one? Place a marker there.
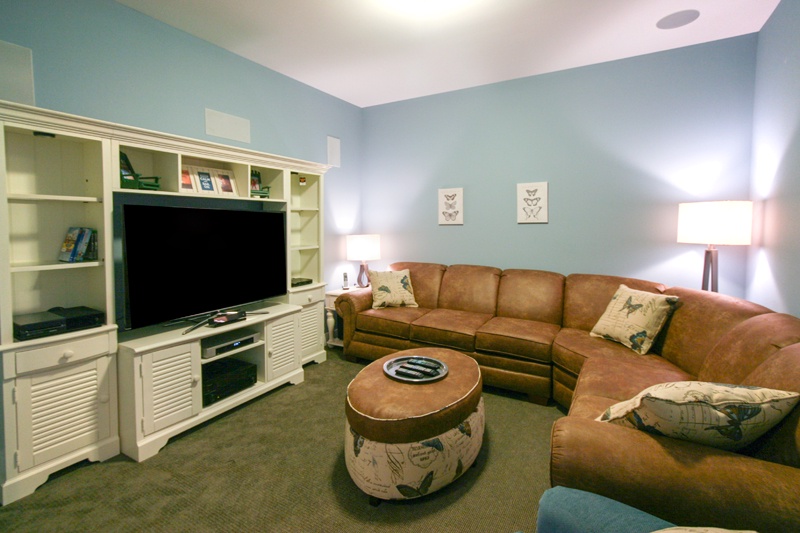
(226, 342)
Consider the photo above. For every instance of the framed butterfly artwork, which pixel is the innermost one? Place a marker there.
(451, 206)
(532, 203)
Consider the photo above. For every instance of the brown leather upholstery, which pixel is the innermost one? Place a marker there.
(691, 332)
(586, 297)
(426, 280)
(385, 410)
(710, 337)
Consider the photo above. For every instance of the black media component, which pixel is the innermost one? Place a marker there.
(37, 325)
(81, 317)
(225, 377)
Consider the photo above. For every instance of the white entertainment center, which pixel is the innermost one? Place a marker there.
(89, 393)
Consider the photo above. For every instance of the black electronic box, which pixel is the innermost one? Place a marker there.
(225, 377)
(82, 317)
(36, 325)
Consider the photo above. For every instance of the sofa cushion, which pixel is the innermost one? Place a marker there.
(719, 415)
(449, 327)
(689, 335)
(531, 295)
(620, 379)
(426, 279)
(747, 345)
(572, 347)
(586, 297)
(634, 318)
(516, 337)
(470, 288)
(391, 289)
(394, 322)
(780, 371)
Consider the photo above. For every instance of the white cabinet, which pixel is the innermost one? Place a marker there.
(59, 407)
(60, 397)
(171, 387)
(312, 321)
(283, 348)
(59, 401)
(164, 386)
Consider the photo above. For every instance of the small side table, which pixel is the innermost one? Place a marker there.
(334, 337)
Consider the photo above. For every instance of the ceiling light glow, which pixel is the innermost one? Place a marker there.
(426, 9)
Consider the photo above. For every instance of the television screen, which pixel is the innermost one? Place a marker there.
(185, 261)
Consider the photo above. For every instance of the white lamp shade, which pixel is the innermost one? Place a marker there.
(717, 223)
(363, 247)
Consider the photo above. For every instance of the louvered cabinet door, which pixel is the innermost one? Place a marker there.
(312, 334)
(171, 386)
(283, 352)
(62, 410)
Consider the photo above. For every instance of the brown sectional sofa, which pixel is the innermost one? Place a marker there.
(529, 331)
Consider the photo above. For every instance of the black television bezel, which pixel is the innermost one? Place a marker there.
(125, 320)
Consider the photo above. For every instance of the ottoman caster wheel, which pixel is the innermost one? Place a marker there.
(374, 501)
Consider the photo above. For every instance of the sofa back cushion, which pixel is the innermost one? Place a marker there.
(779, 371)
(531, 295)
(700, 320)
(748, 345)
(586, 297)
(426, 279)
(469, 288)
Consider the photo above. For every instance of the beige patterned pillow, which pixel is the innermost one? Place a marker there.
(715, 414)
(391, 289)
(634, 318)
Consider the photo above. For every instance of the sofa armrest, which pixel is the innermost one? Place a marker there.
(348, 305)
(678, 481)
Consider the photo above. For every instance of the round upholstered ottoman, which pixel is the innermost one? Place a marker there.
(405, 440)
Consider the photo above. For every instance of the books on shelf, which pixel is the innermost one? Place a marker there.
(79, 244)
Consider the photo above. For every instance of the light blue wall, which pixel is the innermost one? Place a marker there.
(99, 59)
(773, 279)
(620, 145)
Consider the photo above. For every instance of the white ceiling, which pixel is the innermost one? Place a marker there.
(370, 52)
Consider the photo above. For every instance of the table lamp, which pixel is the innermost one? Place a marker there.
(363, 248)
(714, 224)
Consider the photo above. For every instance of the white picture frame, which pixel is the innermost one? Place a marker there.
(532, 205)
(187, 182)
(225, 182)
(206, 184)
(451, 207)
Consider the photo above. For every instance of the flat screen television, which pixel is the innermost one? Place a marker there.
(182, 262)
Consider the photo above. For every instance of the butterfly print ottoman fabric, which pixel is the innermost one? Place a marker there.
(406, 440)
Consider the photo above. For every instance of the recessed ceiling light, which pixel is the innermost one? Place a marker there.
(678, 19)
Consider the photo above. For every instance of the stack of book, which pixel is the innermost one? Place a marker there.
(80, 244)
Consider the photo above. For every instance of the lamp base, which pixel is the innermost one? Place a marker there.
(362, 280)
(710, 269)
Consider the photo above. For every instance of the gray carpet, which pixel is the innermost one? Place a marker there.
(277, 464)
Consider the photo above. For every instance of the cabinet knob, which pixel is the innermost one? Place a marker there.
(310, 299)
(195, 379)
(68, 354)
(103, 398)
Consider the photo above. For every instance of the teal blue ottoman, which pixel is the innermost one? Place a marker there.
(565, 510)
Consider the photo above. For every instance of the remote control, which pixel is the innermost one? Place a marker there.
(409, 373)
(423, 362)
(419, 368)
